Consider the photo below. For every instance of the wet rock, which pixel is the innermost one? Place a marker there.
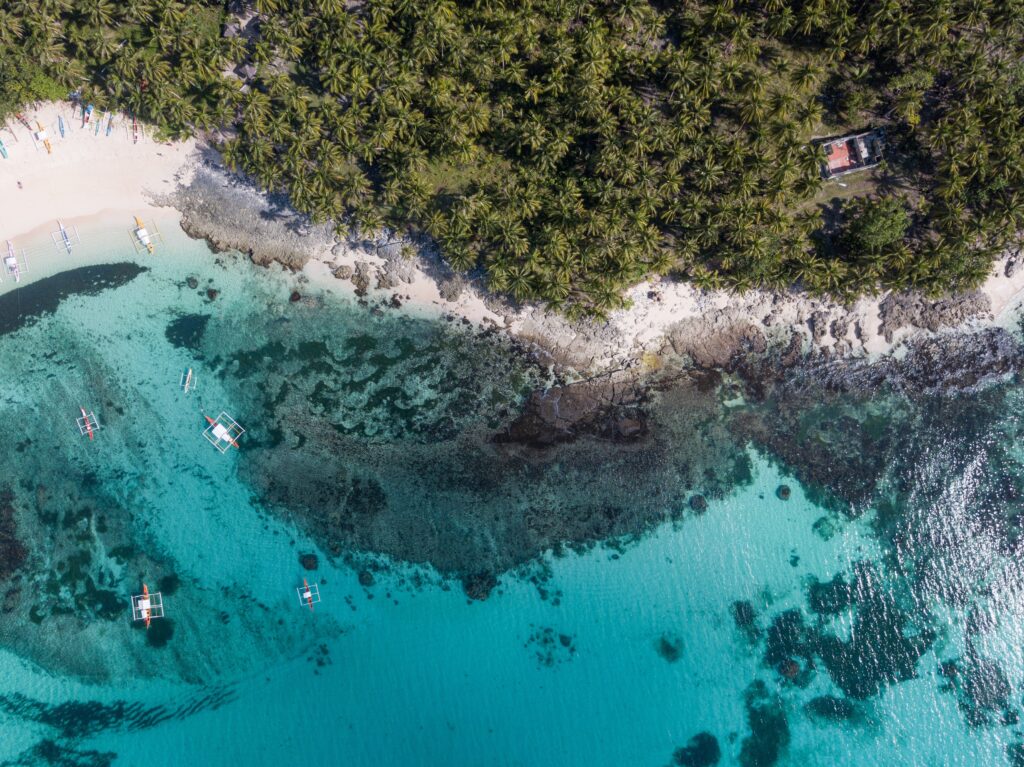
(712, 341)
(230, 214)
(702, 750)
(212, 293)
(386, 280)
(819, 325)
(783, 492)
(831, 709)
(479, 585)
(564, 413)
(1013, 265)
(395, 302)
(913, 310)
(451, 289)
(343, 272)
(309, 561)
(366, 579)
(192, 282)
(295, 297)
(361, 277)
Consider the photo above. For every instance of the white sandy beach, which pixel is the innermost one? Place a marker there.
(85, 175)
(89, 175)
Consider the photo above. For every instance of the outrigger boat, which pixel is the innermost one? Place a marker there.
(11, 264)
(188, 381)
(146, 606)
(147, 611)
(3, 150)
(135, 129)
(86, 115)
(223, 432)
(60, 125)
(65, 237)
(309, 594)
(87, 424)
(110, 125)
(41, 136)
(98, 124)
(23, 120)
(143, 238)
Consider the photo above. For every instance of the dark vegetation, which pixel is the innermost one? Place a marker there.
(569, 148)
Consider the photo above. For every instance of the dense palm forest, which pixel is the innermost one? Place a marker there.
(568, 148)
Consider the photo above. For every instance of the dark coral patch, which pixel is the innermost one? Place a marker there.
(769, 728)
(702, 750)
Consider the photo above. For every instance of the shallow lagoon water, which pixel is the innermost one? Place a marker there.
(619, 653)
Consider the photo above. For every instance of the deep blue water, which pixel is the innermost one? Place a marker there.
(761, 631)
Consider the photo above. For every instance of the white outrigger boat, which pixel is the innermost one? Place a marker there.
(143, 238)
(65, 238)
(13, 265)
(223, 432)
(188, 381)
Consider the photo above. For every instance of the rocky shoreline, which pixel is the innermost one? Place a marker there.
(668, 323)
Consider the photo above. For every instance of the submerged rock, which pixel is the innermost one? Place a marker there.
(309, 561)
(783, 492)
(479, 585)
(702, 750)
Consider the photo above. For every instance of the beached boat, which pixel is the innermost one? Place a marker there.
(98, 124)
(86, 115)
(65, 238)
(3, 150)
(11, 264)
(143, 236)
(60, 125)
(135, 129)
(41, 136)
(23, 120)
(110, 124)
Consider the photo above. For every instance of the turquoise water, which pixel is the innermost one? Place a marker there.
(609, 654)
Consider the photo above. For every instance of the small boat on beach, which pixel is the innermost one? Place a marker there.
(64, 237)
(11, 265)
(135, 129)
(40, 135)
(23, 120)
(98, 124)
(142, 235)
(60, 125)
(86, 115)
(3, 150)
(143, 238)
(110, 125)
